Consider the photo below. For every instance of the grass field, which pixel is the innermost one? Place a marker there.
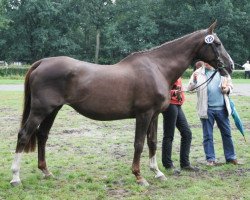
(92, 159)
(11, 81)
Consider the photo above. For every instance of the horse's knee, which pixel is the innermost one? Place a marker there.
(138, 147)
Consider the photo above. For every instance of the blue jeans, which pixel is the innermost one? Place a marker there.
(222, 120)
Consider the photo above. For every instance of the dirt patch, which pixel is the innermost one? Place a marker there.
(118, 151)
(241, 172)
(77, 131)
(118, 193)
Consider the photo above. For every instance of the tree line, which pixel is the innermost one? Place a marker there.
(105, 31)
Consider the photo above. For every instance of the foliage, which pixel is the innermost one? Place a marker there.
(3, 20)
(13, 71)
(237, 74)
(31, 30)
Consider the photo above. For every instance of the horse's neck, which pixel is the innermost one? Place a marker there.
(173, 58)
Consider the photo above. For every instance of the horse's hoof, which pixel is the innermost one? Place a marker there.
(162, 178)
(15, 183)
(143, 182)
(48, 176)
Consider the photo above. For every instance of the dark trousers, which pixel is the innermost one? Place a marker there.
(247, 74)
(173, 117)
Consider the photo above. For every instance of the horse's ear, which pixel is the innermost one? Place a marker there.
(210, 30)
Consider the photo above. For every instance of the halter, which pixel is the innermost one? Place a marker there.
(209, 40)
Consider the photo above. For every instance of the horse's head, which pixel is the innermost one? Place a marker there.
(213, 52)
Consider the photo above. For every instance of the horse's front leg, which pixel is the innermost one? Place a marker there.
(142, 124)
(152, 145)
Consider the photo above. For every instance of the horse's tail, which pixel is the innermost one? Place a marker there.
(31, 146)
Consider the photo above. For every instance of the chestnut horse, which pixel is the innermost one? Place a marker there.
(136, 87)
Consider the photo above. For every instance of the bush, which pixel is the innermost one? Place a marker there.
(13, 71)
(237, 74)
(21, 71)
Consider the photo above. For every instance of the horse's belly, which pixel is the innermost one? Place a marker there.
(99, 110)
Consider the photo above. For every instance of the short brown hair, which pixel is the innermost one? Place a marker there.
(199, 64)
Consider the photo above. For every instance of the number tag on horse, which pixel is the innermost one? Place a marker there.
(209, 39)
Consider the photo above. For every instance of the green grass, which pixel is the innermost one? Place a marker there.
(244, 81)
(11, 81)
(235, 81)
(92, 159)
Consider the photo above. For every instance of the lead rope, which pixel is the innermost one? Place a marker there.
(209, 39)
(207, 81)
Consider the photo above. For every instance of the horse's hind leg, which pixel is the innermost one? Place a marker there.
(42, 136)
(24, 136)
(16, 170)
(152, 145)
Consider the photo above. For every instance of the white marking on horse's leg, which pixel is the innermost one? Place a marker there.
(16, 169)
(154, 167)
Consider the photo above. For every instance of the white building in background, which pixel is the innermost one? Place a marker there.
(3, 64)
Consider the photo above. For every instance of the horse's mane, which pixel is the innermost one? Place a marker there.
(158, 47)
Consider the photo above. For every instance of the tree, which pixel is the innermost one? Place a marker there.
(233, 22)
(94, 15)
(3, 20)
(106, 31)
(39, 28)
(132, 28)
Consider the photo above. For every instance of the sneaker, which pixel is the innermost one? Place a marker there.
(210, 163)
(190, 168)
(234, 162)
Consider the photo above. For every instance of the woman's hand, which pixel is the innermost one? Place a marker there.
(224, 87)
